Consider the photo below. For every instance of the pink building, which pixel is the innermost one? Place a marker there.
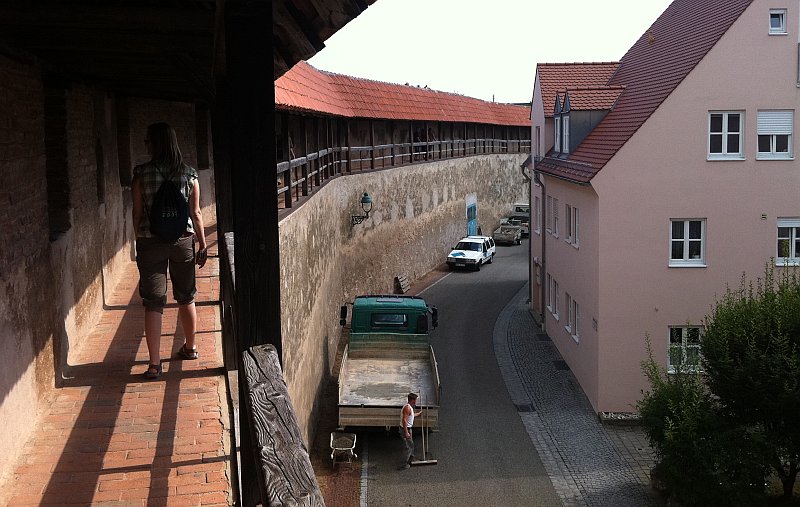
(665, 176)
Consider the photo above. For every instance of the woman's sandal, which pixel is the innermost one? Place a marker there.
(150, 374)
(186, 353)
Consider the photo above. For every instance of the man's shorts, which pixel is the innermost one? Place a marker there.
(153, 258)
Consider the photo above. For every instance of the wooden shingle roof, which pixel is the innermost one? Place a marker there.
(651, 69)
(307, 89)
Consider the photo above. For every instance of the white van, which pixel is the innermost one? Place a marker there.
(521, 208)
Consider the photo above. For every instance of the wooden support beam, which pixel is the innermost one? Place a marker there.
(372, 144)
(283, 460)
(304, 170)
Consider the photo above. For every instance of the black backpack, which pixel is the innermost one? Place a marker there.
(169, 214)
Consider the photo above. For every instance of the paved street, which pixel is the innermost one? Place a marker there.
(516, 427)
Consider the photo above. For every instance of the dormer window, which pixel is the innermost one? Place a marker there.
(565, 126)
(557, 143)
(777, 21)
(557, 125)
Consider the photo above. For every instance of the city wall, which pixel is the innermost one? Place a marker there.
(419, 213)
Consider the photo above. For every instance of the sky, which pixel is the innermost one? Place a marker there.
(487, 49)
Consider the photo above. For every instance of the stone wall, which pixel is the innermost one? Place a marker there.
(65, 225)
(419, 213)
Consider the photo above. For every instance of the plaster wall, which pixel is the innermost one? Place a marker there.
(419, 214)
(574, 267)
(663, 173)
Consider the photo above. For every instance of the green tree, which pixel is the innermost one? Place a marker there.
(704, 459)
(751, 357)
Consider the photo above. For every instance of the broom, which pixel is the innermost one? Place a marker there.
(425, 460)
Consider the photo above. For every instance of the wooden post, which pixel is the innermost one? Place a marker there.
(391, 133)
(347, 142)
(287, 176)
(304, 171)
(247, 114)
(372, 144)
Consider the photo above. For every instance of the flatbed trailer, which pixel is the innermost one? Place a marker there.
(375, 381)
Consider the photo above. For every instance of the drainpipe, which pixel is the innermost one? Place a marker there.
(538, 180)
(527, 176)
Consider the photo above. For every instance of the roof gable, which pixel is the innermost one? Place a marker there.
(305, 88)
(651, 69)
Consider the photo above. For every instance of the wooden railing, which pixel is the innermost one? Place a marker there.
(298, 177)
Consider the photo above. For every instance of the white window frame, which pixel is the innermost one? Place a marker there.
(572, 223)
(565, 137)
(781, 30)
(557, 138)
(573, 317)
(537, 207)
(552, 296)
(793, 239)
(554, 232)
(549, 225)
(555, 299)
(684, 347)
(725, 155)
(686, 261)
(774, 123)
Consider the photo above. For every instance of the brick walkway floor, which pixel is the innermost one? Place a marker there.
(108, 436)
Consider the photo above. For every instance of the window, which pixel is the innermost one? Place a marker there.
(725, 135)
(684, 348)
(788, 253)
(777, 21)
(549, 213)
(557, 143)
(572, 317)
(537, 141)
(687, 242)
(398, 320)
(565, 121)
(555, 217)
(552, 296)
(537, 205)
(571, 220)
(775, 135)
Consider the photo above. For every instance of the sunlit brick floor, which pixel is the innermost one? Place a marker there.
(109, 435)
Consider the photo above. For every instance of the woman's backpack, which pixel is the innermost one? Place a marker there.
(169, 213)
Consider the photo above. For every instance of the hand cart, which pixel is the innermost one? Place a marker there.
(342, 448)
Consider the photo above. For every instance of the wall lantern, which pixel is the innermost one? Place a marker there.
(366, 205)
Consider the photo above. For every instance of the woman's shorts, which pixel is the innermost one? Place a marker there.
(153, 258)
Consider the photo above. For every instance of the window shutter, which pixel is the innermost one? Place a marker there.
(775, 122)
(789, 222)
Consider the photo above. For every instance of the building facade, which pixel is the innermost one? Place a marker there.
(683, 183)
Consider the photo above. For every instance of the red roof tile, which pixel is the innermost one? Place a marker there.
(555, 78)
(651, 69)
(305, 88)
(593, 99)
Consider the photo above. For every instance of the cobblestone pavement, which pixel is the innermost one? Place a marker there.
(589, 464)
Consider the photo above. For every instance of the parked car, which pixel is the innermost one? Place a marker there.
(518, 219)
(472, 252)
(509, 233)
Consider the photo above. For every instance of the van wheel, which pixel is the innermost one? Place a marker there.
(519, 241)
(478, 266)
(491, 258)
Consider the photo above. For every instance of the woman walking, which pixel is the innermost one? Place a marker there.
(155, 255)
